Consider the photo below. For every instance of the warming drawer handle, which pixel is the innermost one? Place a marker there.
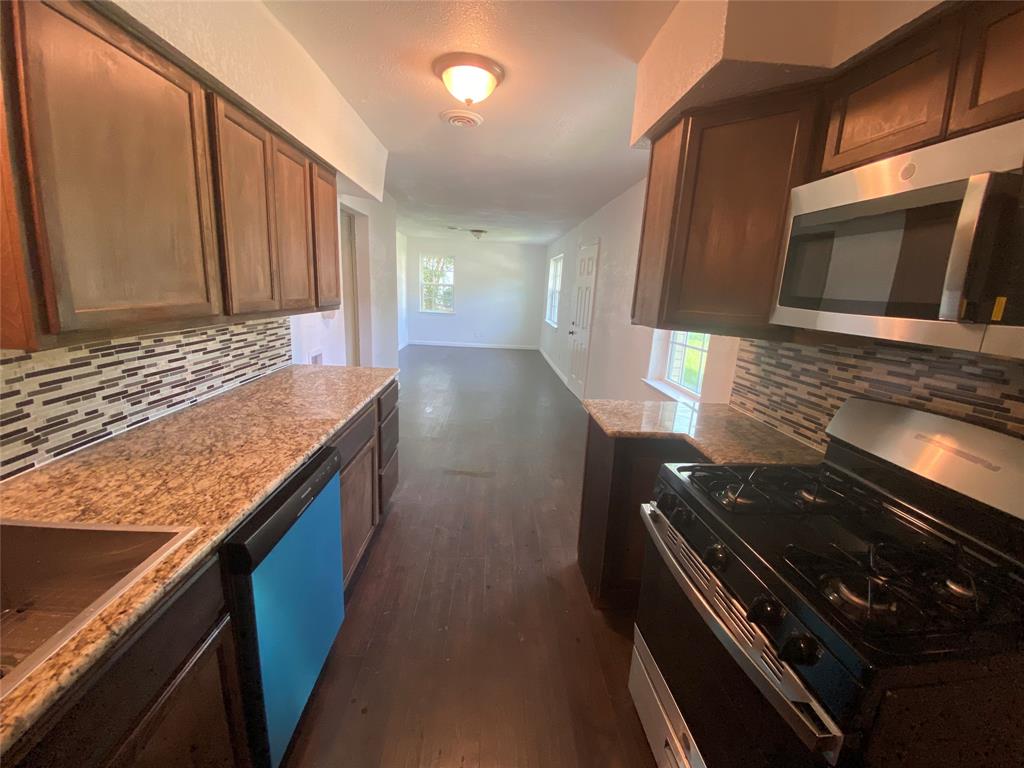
(795, 703)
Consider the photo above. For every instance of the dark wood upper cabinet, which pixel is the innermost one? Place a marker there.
(116, 161)
(893, 102)
(716, 206)
(244, 175)
(294, 225)
(325, 237)
(990, 74)
(659, 212)
(17, 324)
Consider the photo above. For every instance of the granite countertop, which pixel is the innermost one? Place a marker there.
(719, 431)
(204, 467)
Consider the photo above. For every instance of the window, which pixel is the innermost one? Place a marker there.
(437, 283)
(554, 290)
(687, 357)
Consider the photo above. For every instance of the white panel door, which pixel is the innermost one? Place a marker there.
(583, 309)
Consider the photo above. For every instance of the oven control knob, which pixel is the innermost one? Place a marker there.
(799, 649)
(765, 612)
(667, 503)
(716, 556)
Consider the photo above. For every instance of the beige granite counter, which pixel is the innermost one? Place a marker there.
(206, 466)
(719, 431)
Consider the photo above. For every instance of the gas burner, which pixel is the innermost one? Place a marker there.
(965, 590)
(816, 496)
(736, 494)
(861, 592)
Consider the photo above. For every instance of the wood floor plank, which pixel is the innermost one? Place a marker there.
(469, 640)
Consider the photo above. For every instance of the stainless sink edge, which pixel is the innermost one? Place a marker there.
(32, 662)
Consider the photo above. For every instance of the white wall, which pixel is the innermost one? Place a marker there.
(620, 352)
(319, 332)
(402, 255)
(246, 48)
(499, 293)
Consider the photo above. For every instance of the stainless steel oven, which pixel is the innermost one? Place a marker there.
(707, 685)
(925, 247)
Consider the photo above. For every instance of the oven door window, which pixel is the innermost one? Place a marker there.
(885, 264)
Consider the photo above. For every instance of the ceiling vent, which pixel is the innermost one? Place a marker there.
(461, 118)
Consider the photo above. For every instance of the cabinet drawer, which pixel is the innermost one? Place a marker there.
(388, 437)
(355, 436)
(388, 481)
(388, 400)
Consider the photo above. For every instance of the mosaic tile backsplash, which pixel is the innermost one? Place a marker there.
(56, 401)
(797, 388)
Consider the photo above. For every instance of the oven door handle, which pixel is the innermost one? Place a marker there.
(794, 703)
(982, 192)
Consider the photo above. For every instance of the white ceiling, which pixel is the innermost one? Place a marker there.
(554, 145)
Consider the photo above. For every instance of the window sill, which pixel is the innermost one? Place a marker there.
(553, 325)
(436, 311)
(674, 392)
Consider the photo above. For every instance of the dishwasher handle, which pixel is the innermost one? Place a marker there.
(245, 549)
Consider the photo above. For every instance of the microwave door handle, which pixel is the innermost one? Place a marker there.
(965, 238)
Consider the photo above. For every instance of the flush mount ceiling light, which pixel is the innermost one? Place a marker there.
(469, 77)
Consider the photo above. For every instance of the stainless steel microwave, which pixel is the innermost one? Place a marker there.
(925, 247)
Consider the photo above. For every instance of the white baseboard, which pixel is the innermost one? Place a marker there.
(470, 344)
(554, 368)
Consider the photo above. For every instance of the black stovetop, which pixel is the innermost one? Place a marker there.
(881, 573)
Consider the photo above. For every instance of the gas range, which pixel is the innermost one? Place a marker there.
(855, 596)
(863, 567)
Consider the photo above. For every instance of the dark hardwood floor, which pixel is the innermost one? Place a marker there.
(469, 639)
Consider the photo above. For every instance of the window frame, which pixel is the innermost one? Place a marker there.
(554, 293)
(423, 284)
(681, 347)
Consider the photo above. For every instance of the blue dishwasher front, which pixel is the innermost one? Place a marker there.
(287, 597)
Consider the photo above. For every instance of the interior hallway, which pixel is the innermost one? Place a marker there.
(469, 639)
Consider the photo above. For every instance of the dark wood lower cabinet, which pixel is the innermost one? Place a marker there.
(134, 701)
(358, 507)
(618, 476)
(196, 722)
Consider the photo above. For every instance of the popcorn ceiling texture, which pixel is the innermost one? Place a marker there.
(57, 401)
(797, 388)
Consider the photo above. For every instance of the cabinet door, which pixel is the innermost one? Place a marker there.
(118, 170)
(896, 101)
(17, 324)
(294, 224)
(325, 237)
(739, 164)
(990, 76)
(196, 721)
(663, 179)
(245, 192)
(358, 506)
